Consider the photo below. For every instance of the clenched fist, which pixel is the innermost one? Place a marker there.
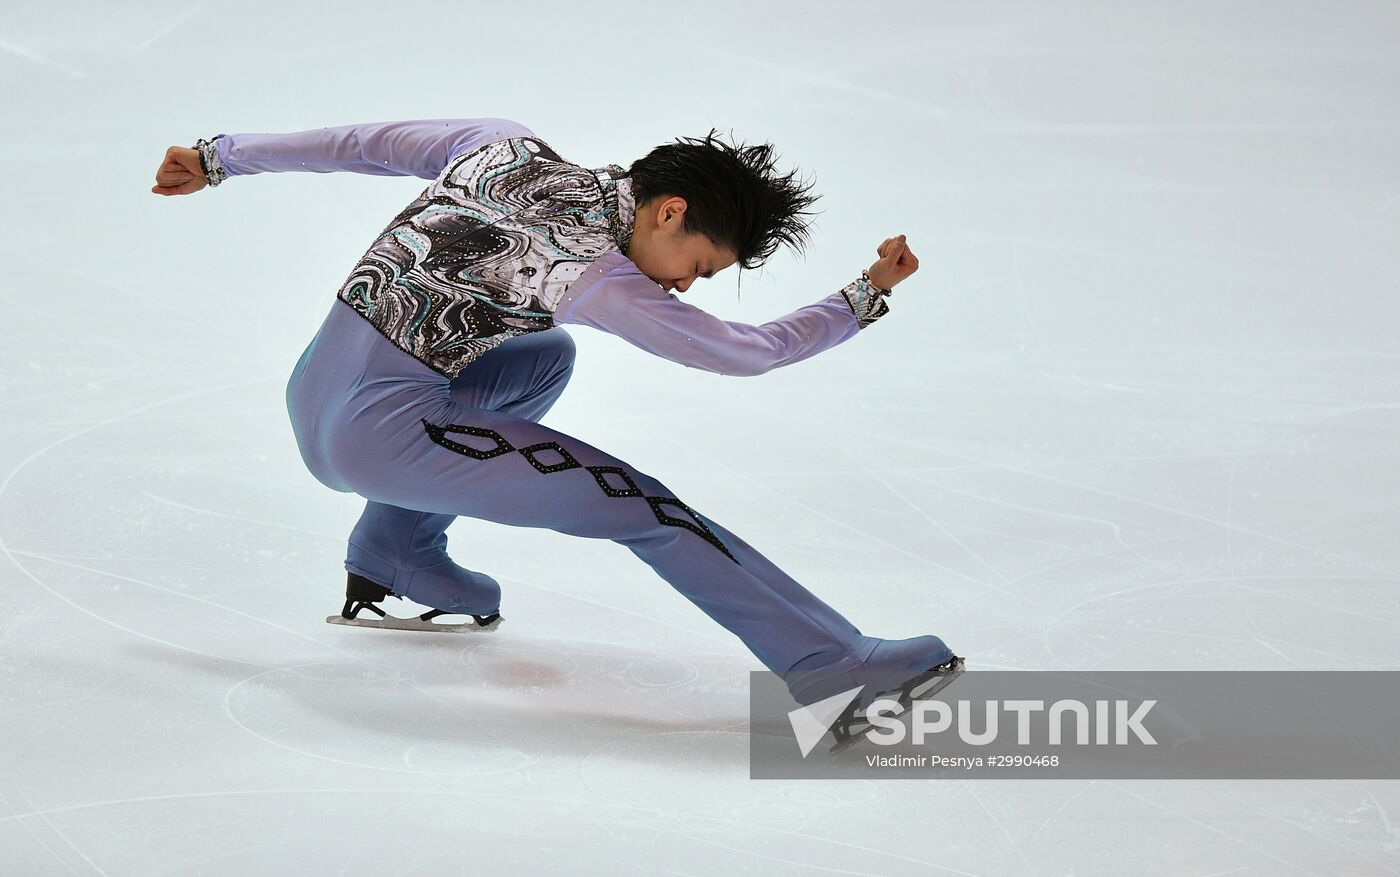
(896, 263)
(180, 173)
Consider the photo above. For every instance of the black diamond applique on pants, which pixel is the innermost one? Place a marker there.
(612, 480)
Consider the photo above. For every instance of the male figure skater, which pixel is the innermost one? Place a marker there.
(423, 389)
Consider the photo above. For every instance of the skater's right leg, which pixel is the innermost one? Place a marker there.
(405, 550)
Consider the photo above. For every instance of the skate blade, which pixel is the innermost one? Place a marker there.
(919, 689)
(390, 622)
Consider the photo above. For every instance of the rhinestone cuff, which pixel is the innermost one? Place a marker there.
(867, 301)
(209, 160)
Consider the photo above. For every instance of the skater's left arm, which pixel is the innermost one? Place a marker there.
(622, 301)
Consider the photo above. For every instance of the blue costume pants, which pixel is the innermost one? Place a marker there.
(423, 450)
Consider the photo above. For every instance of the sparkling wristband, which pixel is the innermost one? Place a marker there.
(865, 275)
(866, 300)
(209, 160)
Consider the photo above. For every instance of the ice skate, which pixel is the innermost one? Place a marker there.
(852, 726)
(361, 594)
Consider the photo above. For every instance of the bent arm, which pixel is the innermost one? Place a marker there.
(626, 303)
(418, 147)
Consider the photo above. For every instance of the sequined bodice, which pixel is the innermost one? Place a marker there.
(487, 250)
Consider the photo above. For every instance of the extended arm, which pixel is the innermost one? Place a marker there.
(617, 298)
(418, 148)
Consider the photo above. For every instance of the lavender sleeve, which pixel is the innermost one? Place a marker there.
(418, 147)
(622, 301)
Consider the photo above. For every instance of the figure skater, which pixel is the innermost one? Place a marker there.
(423, 389)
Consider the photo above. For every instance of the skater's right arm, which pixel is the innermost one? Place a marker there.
(418, 148)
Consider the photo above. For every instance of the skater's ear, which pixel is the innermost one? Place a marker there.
(667, 213)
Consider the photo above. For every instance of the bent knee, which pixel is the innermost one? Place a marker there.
(561, 347)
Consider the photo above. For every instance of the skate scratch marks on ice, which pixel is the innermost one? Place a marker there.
(161, 33)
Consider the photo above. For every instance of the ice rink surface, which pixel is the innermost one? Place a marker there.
(1139, 409)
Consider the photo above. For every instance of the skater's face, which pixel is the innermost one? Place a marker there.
(668, 255)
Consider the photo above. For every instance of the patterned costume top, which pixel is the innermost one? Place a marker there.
(510, 238)
(487, 251)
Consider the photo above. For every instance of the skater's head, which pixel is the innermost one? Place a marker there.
(703, 205)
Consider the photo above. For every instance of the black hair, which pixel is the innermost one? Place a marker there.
(734, 195)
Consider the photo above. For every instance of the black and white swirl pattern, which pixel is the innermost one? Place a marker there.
(487, 250)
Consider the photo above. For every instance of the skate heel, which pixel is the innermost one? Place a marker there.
(361, 593)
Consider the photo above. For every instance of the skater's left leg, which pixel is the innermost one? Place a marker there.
(406, 550)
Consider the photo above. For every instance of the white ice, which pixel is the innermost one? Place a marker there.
(1139, 409)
